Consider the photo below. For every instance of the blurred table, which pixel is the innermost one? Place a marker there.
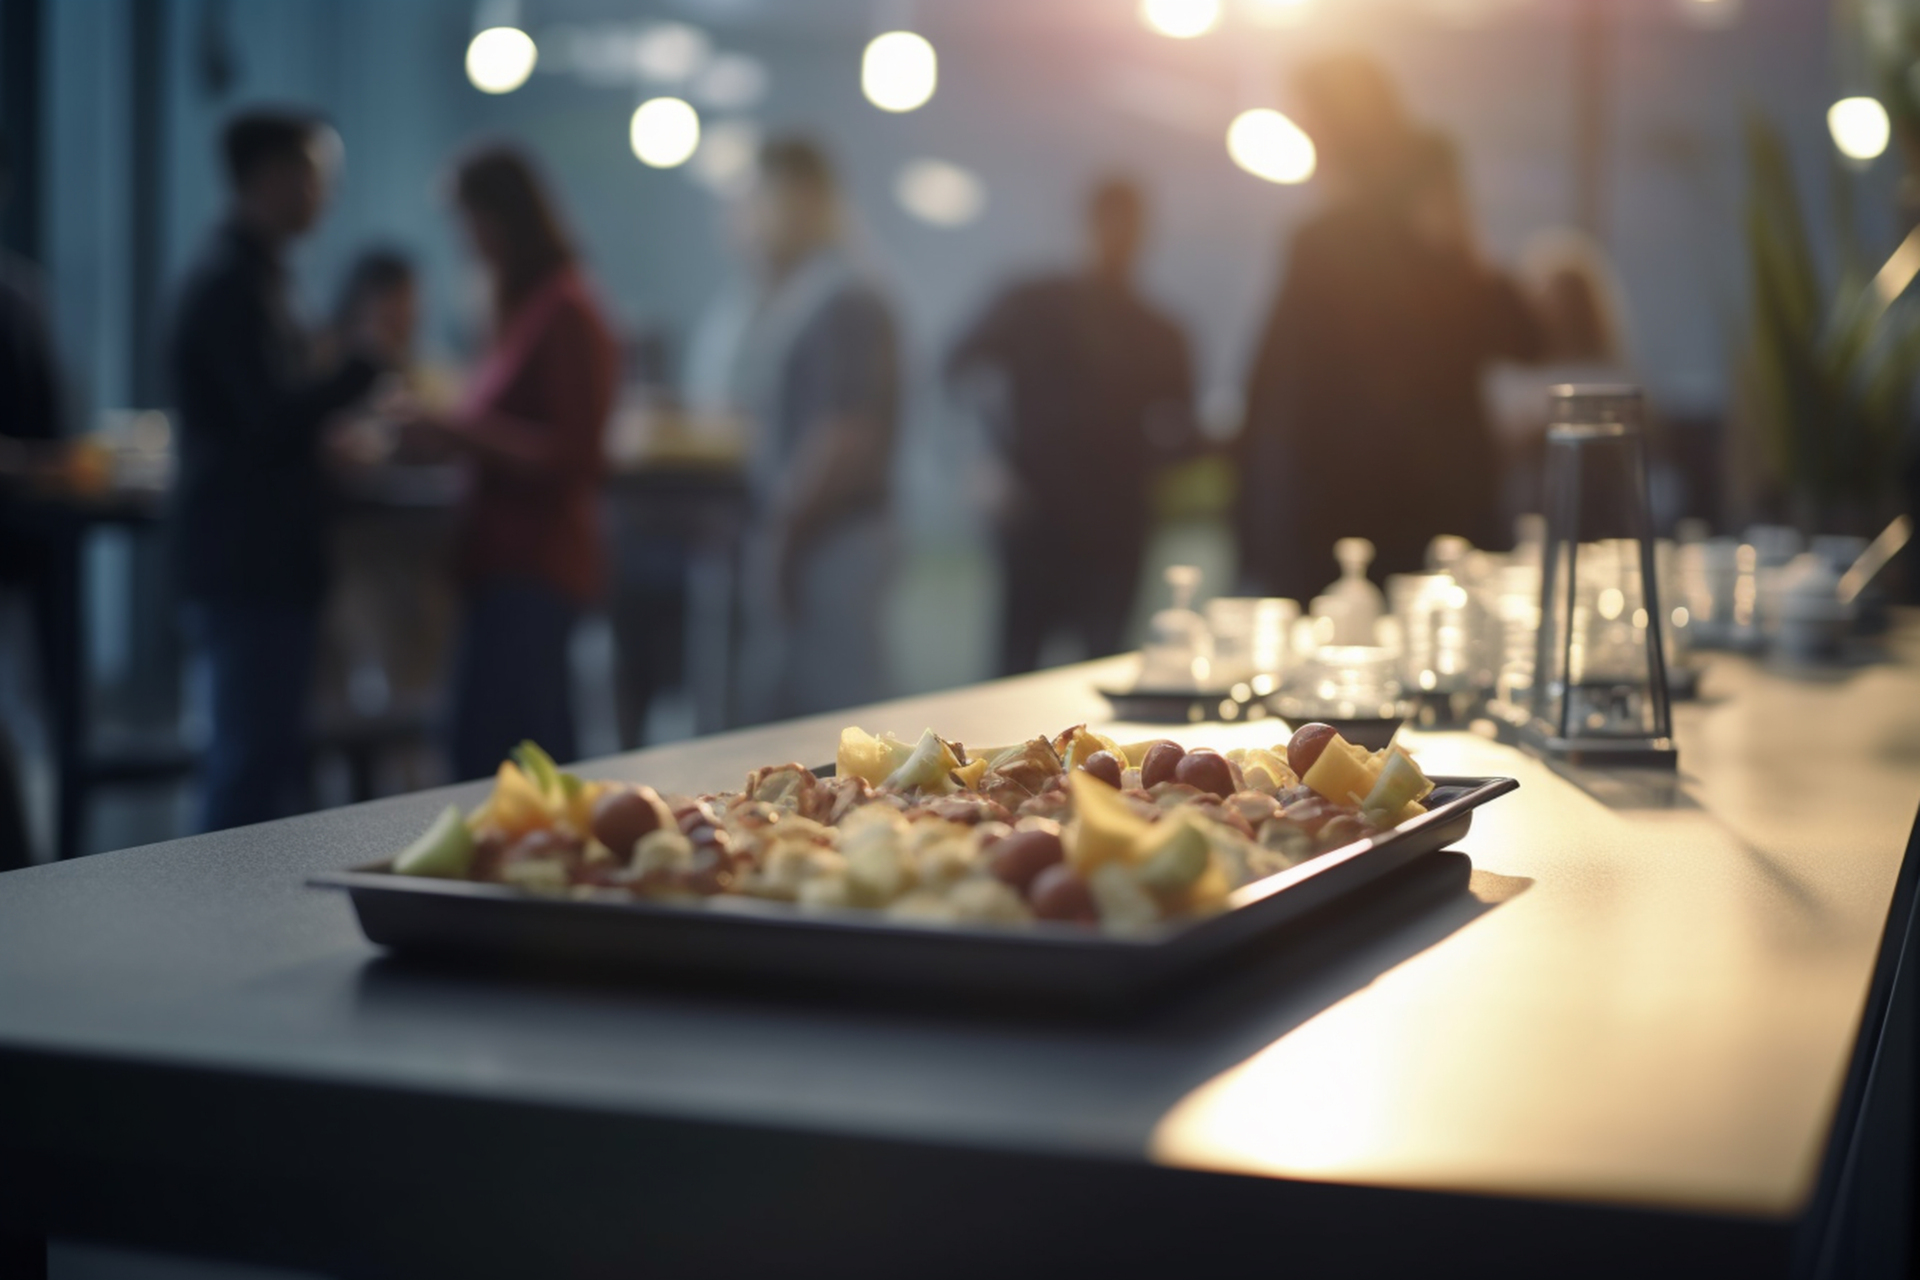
(60, 522)
(1658, 1033)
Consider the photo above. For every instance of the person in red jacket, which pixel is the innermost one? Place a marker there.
(529, 546)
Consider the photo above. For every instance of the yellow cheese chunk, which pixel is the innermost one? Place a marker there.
(1344, 773)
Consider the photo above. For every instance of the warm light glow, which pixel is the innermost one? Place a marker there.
(1181, 19)
(1268, 145)
(1860, 127)
(724, 162)
(1612, 601)
(500, 59)
(669, 52)
(1710, 13)
(1280, 13)
(899, 71)
(665, 132)
(940, 193)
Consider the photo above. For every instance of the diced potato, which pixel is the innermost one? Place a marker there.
(1343, 774)
(1104, 828)
(875, 873)
(826, 893)
(987, 901)
(923, 906)
(517, 806)
(1173, 856)
(536, 875)
(1125, 905)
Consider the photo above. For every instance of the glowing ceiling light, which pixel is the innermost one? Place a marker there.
(899, 71)
(1860, 127)
(665, 132)
(1181, 19)
(1268, 145)
(500, 59)
(940, 193)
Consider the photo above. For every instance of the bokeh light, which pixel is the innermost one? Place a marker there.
(1181, 19)
(1860, 127)
(1279, 13)
(899, 71)
(940, 193)
(665, 132)
(500, 59)
(724, 162)
(731, 82)
(1268, 145)
(669, 52)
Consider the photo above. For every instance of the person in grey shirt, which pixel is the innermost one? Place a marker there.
(810, 358)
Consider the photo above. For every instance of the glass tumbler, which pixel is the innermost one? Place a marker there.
(1599, 691)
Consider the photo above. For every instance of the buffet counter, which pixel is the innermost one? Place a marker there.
(1650, 1033)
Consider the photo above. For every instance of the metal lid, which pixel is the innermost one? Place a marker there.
(1590, 404)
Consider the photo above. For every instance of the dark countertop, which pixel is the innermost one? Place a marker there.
(1649, 1001)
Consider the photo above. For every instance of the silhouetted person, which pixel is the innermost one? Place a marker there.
(250, 512)
(1364, 415)
(529, 549)
(30, 412)
(811, 354)
(1099, 389)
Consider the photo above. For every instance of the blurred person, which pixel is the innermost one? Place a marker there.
(386, 629)
(529, 549)
(1577, 296)
(380, 298)
(249, 515)
(1099, 387)
(1365, 412)
(30, 419)
(810, 357)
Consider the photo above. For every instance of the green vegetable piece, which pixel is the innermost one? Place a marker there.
(1178, 860)
(1400, 781)
(444, 849)
(926, 769)
(540, 768)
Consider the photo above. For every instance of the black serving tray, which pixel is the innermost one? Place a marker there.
(752, 939)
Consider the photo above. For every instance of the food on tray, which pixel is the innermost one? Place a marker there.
(1075, 828)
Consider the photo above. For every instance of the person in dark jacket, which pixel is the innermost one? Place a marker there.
(1099, 390)
(250, 512)
(1365, 414)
